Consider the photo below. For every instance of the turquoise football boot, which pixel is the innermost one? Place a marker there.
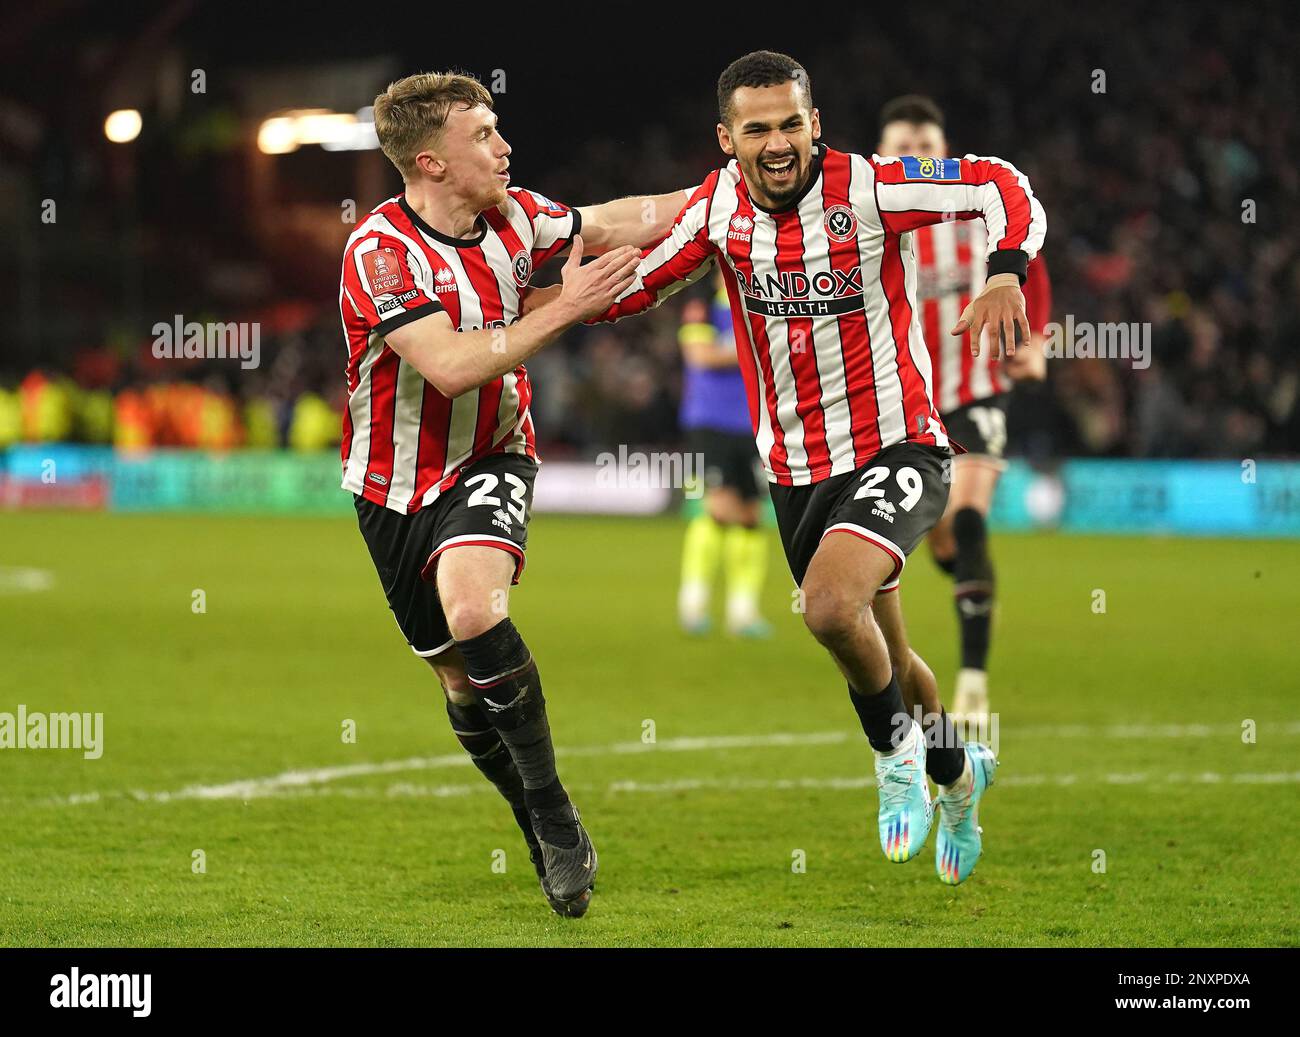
(905, 807)
(699, 626)
(958, 844)
(754, 630)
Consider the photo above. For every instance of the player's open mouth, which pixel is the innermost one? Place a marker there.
(503, 176)
(780, 169)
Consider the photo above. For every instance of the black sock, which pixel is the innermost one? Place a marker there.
(505, 677)
(489, 754)
(973, 589)
(945, 753)
(880, 716)
(948, 565)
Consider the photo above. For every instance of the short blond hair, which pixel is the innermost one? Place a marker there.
(412, 112)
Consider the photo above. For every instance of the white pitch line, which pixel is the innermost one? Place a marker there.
(406, 790)
(252, 788)
(1008, 780)
(1126, 731)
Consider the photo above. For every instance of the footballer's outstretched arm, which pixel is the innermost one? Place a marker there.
(456, 362)
(681, 258)
(915, 192)
(638, 221)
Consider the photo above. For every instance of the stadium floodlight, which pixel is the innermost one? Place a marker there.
(333, 131)
(277, 137)
(123, 125)
(359, 136)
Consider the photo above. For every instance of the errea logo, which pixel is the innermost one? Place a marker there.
(741, 227)
(444, 280)
(884, 510)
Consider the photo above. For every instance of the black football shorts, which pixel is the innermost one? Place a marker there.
(893, 500)
(981, 427)
(730, 460)
(489, 505)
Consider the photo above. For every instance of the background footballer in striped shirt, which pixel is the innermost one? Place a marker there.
(971, 390)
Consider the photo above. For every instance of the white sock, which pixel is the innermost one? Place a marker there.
(972, 689)
(908, 744)
(742, 610)
(964, 782)
(693, 601)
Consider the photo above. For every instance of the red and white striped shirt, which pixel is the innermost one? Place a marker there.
(403, 441)
(949, 273)
(823, 296)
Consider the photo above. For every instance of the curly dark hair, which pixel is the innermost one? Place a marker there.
(761, 68)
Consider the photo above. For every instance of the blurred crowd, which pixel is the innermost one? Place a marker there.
(595, 388)
(1164, 158)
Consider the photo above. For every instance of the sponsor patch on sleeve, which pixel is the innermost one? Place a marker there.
(931, 168)
(385, 271)
(397, 302)
(547, 206)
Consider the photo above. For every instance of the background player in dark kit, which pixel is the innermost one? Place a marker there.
(727, 532)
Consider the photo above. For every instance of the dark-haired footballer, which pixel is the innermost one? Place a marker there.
(814, 247)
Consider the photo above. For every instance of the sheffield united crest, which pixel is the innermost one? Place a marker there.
(841, 223)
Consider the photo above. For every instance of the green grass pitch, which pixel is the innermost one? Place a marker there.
(1120, 732)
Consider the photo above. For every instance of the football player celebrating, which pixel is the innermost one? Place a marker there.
(438, 444)
(971, 392)
(813, 245)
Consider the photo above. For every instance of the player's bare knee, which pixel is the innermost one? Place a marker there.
(467, 618)
(726, 508)
(461, 696)
(830, 616)
(455, 682)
